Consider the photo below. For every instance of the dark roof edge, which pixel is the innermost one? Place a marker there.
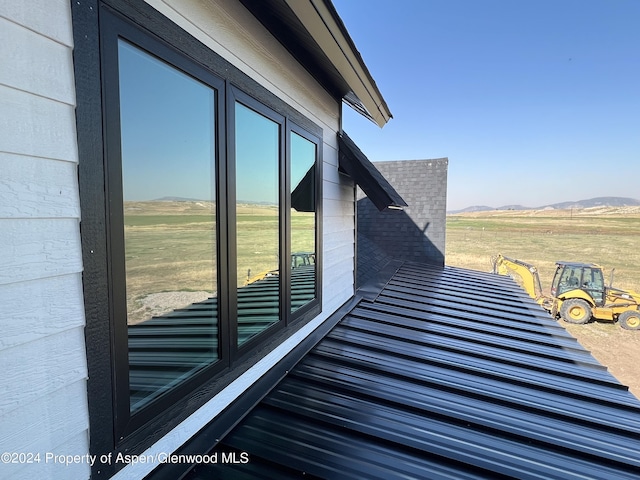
(354, 163)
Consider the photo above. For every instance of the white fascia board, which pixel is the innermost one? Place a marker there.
(319, 22)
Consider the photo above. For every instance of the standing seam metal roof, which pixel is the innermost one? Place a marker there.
(447, 373)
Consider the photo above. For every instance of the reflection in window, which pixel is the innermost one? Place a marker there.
(303, 221)
(168, 145)
(257, 222)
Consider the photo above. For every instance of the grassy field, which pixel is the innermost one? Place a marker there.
(171, 247)
(608, 237)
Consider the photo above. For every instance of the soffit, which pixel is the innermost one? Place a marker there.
(315, 35)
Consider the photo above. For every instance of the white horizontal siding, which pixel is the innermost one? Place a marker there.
(338, 230)
(36, 126)
(338, 240)
(23, 51)
(337, 208)
(335, 191)
(43, 395)
(334, 176)
(339, 254)
(39, 308)
(38, 248)
(62, 423)
(50, 18)
(51, 363)
(337, 225)
(339, 290)
(32, 187)
(331, 151)
(57, 471)
(339, 247)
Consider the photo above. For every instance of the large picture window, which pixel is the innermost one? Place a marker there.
(201, 225)
(167, 131)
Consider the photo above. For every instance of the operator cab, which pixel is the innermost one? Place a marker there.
(301, 259)
(587, 277)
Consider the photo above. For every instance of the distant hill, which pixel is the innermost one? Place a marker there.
(177, 199)
(589, 203)
(513, 207)
(597, 202)
(474, 208)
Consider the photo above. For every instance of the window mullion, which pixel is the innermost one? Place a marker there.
(230, 181)
(285, 229)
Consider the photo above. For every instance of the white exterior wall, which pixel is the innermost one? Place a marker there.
(227, 28)
(43, 399)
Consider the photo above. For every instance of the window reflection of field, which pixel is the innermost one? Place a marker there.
(170, 248)
(257, 240)
(303, 225)
(170, 251)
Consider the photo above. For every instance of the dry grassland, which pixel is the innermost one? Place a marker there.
(170, 248)
(171, 251)
(608, 236)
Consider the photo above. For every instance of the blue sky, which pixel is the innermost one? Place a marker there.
(532, 101)
(167, 130)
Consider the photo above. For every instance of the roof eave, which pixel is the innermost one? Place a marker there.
(314, 34)
(327, 29)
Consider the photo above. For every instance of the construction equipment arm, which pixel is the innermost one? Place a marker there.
(528, 274)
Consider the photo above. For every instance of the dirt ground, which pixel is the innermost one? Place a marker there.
(614, 347)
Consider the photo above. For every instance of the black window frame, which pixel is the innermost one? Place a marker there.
(292, 127)
(111, 29)
(96, 24)
(235, 95)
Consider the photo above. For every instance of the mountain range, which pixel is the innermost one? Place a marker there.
(589, 203)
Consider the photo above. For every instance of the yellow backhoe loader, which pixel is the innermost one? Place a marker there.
(578, 292)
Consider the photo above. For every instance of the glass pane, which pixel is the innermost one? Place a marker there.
(570, 280)
(303, 221)
(593, 284)
(168, 145)
(257, 222)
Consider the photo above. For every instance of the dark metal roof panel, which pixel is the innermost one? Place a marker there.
(353, 162)
(447, 373)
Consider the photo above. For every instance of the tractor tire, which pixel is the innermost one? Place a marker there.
(575, 310)
(629, 320)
